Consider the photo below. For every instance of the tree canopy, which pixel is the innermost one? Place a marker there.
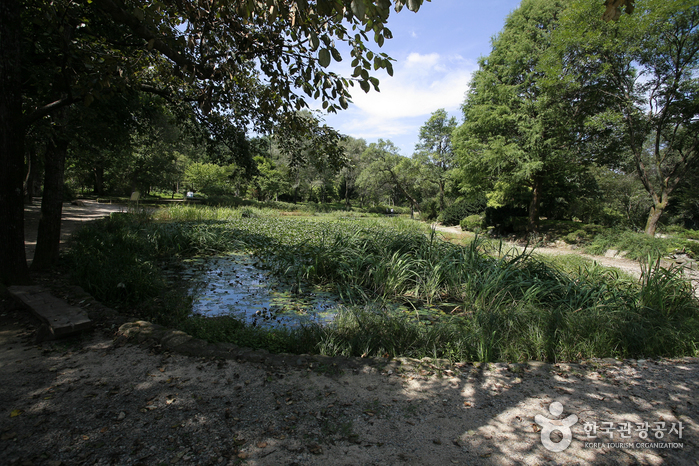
(650, 76)
(249, 62)
(517, 130)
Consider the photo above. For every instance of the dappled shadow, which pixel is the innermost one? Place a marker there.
(72, 218)
(87, 401)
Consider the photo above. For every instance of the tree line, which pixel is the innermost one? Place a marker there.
(119, 93)
(568, 117)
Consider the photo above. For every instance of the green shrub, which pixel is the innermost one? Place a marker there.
(462, 208)
(506, 219)
(578, 236)
(502, 305)
(640, 246)
(384, 209)
(429, 209)
(472, 223)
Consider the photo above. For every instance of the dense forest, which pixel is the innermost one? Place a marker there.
(569, 118)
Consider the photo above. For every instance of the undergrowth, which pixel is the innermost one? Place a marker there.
(509, 306)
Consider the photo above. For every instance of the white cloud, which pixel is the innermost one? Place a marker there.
(421, 84)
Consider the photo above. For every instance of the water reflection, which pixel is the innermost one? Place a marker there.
(238, 285)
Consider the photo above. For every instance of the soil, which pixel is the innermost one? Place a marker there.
(122, 397)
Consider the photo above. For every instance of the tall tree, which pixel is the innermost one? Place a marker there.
(349, 173)
(13, 262)
(652, 68)
(435, 151)
(517, 129)
(386, 172)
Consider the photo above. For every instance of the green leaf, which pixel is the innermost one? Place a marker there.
(358, 9)
(389, 68)
(365, 86)
(314, 41)
(414, 5)
(336, 55)
(324, 58)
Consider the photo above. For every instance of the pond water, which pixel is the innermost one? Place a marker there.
(238, 285)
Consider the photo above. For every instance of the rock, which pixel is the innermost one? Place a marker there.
(315, 449)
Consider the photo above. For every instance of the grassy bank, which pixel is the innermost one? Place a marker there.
(502, 306)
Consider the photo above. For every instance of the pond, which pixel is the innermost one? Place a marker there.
(239, 286)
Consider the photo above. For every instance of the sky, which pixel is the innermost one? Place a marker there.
(436, 50)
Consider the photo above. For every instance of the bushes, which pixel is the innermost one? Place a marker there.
(462, 208)
(472, 223)
(504, 306)
(429, 209)
(384, 209)
(638, 246)
(506, 219)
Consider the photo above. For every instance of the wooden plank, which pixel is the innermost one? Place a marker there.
(62, 318)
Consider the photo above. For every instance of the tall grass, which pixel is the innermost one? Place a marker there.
(508, 305)
(640, 246)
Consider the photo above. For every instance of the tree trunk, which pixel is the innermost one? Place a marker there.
(48, 238)
(98, 170)
(13, 260)
(441, 195)
(347, 201)
(29, 181)
(534, 205)
(656, 211)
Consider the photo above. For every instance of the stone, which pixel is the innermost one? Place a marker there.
(60, 318)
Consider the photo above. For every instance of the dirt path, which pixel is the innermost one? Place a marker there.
(628, 266)
(101, 400)
(95, 401)
(74, 216)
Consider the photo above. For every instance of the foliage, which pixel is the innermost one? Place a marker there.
(640, 246)
(462, 208)
(518, 129)
(506, 305)
(207, 177)
(473, 223)
(649, 74)
(435, 152)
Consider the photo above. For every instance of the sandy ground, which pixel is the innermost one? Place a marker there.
(74, 216)
(102, 400)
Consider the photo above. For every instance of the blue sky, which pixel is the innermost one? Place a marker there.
(436, 50)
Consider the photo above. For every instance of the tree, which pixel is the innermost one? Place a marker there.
(652, 71)
(387, 173)
(350, 171)
(208, 178)
(435, 149)
(245, 57)
(517, 129)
